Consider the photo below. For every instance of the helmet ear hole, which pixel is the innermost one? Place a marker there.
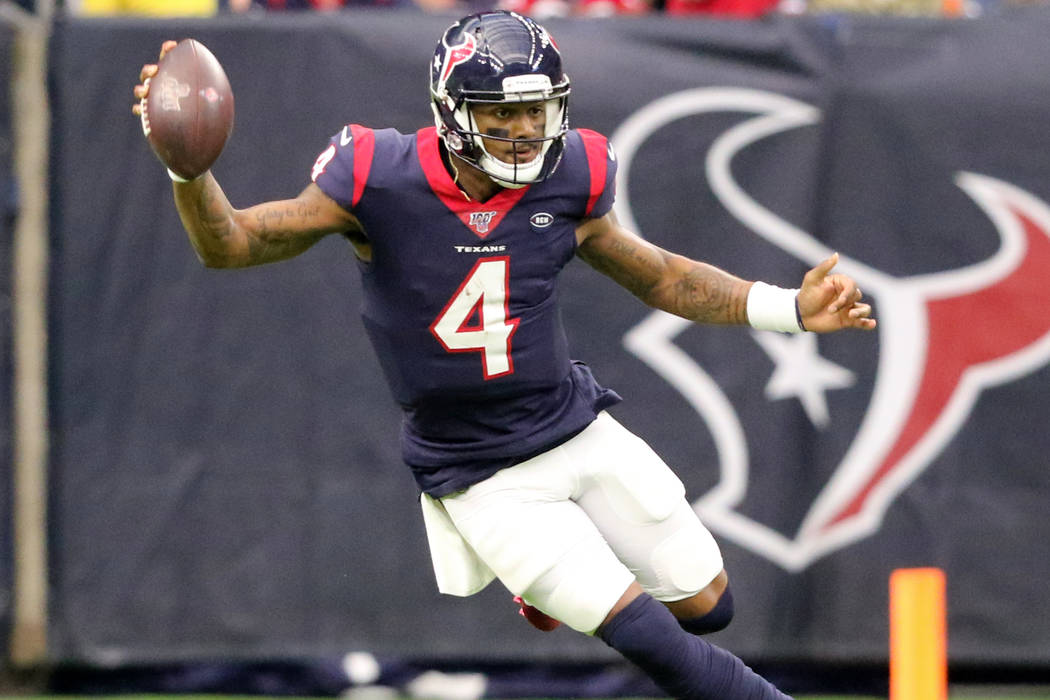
(453, 133)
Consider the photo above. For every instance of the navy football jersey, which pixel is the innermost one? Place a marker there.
(460, 298)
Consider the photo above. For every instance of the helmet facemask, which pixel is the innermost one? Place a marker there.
(464, 140)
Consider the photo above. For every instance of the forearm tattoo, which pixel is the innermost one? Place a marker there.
(632, 267)
(707, 295)
(693, 290)
(282, 230)
(268, 232)
(205, 214)
(212, 212)
(274, 218)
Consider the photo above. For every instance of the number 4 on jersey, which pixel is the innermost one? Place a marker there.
(475, 318)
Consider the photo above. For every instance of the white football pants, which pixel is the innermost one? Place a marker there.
(570, 529)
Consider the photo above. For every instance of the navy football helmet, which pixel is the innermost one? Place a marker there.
(499, 57)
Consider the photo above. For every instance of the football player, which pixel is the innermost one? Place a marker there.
(461, 230)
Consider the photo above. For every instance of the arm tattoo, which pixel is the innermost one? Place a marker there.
(211, 210)
(628, 264)
(273, 218)
(636, 255)
(228, 237)
(693, 290)
(705, 294)
(279, 229)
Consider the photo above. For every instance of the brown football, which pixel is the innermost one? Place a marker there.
(188, 114)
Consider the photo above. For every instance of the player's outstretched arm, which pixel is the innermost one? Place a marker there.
(704, 293)
(694, 290)
(224, 236)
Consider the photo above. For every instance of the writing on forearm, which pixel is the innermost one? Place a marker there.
(277, 234)
(275, 217)
(228, 237)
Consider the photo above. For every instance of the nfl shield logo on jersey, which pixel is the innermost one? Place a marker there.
(480, 220)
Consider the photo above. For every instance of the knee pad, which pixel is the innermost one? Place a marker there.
(718, 618)
(581, 589)
(685, 562)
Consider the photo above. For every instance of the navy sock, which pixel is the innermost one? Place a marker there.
(717, 619)
(686, 667)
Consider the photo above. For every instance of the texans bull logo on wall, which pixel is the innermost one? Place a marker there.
(943, 338)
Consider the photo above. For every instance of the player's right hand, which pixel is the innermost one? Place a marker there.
(141, 91)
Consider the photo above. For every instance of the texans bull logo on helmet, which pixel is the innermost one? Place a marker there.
(943, 338)
(455, 55)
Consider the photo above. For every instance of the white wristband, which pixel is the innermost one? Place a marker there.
(175, 177)
(771, 308)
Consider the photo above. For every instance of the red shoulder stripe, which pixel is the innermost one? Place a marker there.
(595, 146)
(364, 151)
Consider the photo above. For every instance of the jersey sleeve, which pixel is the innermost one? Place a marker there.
(341, 170)
(601, 164)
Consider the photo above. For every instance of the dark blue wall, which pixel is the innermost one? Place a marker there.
(225, 472)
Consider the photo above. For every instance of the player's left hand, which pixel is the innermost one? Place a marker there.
(829, 302)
